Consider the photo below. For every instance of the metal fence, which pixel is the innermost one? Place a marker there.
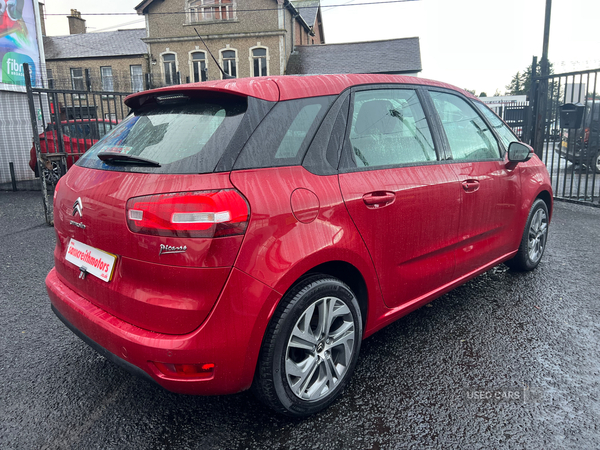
(65, 123)
(571, 151)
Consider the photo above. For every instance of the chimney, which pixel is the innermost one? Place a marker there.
(42, 18)
(76, 23)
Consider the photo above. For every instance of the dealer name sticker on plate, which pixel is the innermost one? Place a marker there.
(95, 262)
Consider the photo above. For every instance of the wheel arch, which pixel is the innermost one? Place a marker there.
(348, 274)
(547, 198)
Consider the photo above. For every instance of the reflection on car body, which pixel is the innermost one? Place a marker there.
(282, 221)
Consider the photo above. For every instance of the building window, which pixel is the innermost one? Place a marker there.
(170, 68)
(50, 77)
(206, 10)
(77, 80)
(137, 78)
(199, 70)
(259, 62)
(228, 57)
(106, 77)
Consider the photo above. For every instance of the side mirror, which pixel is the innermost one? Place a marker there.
(519, 152)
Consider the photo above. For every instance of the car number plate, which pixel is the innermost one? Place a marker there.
(91, 260)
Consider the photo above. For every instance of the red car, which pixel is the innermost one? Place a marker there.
(77, 137)
(252, 232)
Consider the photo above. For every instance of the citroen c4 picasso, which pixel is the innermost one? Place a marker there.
(251, 233)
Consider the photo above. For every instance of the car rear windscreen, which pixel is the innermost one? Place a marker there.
(181, 138)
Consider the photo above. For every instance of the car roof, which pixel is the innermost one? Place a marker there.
(288, 87)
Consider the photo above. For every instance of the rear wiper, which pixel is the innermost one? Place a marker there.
(123, 158)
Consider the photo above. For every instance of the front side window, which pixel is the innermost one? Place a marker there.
(77, 79)
(468, 135)
(208, 10)
(259, 62)
(137, 78)
(502, 130)
(199, 67)
(389, 128)
(106, 76)
(229, 62)
(170, 68)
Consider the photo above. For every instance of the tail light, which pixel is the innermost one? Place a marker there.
(200, 214)
(586, 136)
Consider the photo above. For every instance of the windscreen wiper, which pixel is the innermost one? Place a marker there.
(123, 158)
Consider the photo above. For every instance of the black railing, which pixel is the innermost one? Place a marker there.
(65, 124)
(572, 155)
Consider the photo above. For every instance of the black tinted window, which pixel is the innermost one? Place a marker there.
(182, 138)
(283, 137)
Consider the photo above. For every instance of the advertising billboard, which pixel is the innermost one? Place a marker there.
(18, 42)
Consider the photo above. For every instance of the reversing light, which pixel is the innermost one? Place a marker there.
(134, 214)
(199, 217)
(186, 371)
(198, 214)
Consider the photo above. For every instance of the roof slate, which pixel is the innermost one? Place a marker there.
(395, 56)
(308, 9)
(95, 45)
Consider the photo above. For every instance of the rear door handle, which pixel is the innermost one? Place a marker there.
(470, 185)
(379, 199)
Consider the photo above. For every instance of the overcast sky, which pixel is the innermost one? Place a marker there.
(474, 44)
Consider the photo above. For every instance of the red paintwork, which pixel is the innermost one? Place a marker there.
(74, 147)
(288, 88)
(136, 293)
(412, 233)
(418, 230)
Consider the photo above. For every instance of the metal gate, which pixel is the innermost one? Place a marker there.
(65, 124)
(569, 148)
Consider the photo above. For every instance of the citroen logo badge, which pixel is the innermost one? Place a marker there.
(78, 207)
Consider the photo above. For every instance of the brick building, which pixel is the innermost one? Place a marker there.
(249, 38)
(114, 61)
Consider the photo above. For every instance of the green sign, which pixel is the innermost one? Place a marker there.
(12, 69)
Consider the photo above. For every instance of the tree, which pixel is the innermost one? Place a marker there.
(483, 94)
(497, 93)
(521, 82)
(515, 87)
(472, 91)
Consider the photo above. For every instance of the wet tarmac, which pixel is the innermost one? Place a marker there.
(508, 360)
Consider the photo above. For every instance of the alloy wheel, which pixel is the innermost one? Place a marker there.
(538, 231)
(320, 349)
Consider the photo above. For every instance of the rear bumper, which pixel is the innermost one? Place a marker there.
(230, 337)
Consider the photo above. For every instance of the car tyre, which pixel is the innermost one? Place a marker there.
(533, 242)
(310, 348)
(53, 175)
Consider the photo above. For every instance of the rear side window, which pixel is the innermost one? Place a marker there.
(285, 134)
(182, 138)
(389, 128)
(468, 135)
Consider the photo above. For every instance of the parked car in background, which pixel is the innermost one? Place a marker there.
(582, 146)
(76, 136)
(250, 233)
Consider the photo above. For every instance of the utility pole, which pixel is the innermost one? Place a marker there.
(540, 123)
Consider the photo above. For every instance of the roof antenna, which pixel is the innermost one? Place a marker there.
(226, 76)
